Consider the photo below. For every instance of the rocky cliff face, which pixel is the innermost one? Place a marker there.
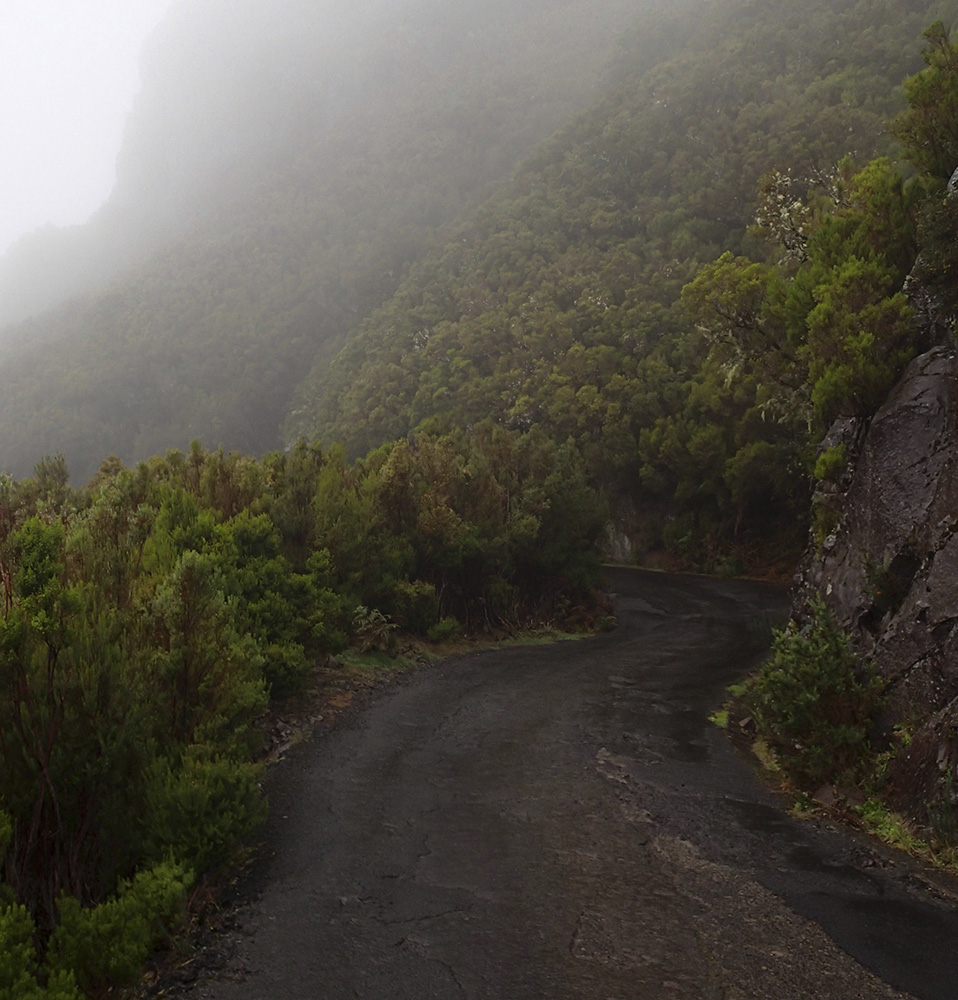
(889, 571)
(889, 567)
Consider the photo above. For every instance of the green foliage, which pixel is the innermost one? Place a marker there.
(830, 463)
(889, 827)
(825, 520)
(209, 678)
(859, 340)
(416, 606)
(201, 807)
(730, 293)
(484, 526)
(557, 305)
(813, 701)
(445, 630)
(106, 945)
(833, 332)
(373, 630)
(147, 620)
(286, 612)
(254, 256)
(17, 955)
(928, 130)
(937, 263)
(600, 329)
(720, 718)
(71, 721)
(540, 366)
(18, 962)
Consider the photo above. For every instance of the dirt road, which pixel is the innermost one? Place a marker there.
(563, 823)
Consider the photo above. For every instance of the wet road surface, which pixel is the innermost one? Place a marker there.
(563, 823)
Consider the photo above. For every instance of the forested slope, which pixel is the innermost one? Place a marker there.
(558, 303)
(283, 165)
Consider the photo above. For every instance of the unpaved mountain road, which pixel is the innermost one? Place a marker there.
(563, 823)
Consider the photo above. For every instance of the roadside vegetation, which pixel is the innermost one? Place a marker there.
(813, 702)
(810, 717)
(377, 285)
(151, 618)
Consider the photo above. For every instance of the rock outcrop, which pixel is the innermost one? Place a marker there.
(889, 571)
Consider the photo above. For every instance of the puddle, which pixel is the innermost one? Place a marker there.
(910, 944)
(756, 817)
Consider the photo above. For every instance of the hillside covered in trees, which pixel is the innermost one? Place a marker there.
(282, 166)
(559, 303)
(356, 268)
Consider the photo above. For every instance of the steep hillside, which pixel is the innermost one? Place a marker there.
(558, 303)
(282, 166)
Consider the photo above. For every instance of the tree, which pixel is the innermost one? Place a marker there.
(860, 336)
(832, 332)
(208, 682)
(928, 129)
(72, 729)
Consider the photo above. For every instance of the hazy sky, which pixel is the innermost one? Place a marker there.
(68, 75)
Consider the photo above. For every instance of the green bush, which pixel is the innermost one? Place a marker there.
(285, 668)
(812, 700)
(202, 808)
(831, 463)
(445, 630)
(106, 945)
(17, 955)
(372, 629)
(416, 605)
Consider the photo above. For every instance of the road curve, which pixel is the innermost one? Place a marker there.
(563, 823)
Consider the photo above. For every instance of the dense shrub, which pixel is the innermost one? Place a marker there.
(416, 605)
(106, 945)
(813, 700)
(201, 808)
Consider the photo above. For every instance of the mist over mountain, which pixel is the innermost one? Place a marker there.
(288, 169)
(559, 304)
(227, 88)
(282, 165)
(224, 87)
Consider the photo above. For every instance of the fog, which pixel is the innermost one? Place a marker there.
(69, 72)
(283, 165)
(231, 91)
